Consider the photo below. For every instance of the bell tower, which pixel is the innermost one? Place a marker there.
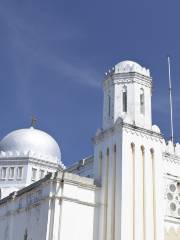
(128, 158)
(127, 94)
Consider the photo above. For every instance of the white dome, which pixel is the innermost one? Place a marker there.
(31, 140)
(130, 66)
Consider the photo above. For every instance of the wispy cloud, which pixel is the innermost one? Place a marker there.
(31, 41)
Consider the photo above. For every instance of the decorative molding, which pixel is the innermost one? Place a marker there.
(172, 219)
(29, 160)
(78, 201)
(129, 128)
(171, 177)
(127, 78)
(14, 161)
(172, 158)
(50, 160)
(57, 177)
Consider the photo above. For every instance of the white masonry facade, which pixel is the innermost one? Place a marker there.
(129, 189)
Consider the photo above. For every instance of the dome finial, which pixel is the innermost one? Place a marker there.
(33, 121)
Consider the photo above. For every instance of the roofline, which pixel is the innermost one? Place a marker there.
(61, 176)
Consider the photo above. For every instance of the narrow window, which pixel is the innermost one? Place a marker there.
(107, 152)
(19, 172)
(41, 173)
(115, 148)
(34, 173)
(142, 104)
(11, 172)
(3, 173)
(124, 96)
(100, 164)
(109, 106)
(152, 153)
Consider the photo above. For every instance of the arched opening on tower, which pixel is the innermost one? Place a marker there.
(124, 96)
(142, 104)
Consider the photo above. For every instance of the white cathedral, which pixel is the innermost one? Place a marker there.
(129, 189)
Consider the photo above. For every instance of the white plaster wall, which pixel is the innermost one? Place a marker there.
(51, 211)
(76, 221)
(108, 120)
(109, 195)
(19, 215)
(116, 193)
(79, 193)
(144, 222)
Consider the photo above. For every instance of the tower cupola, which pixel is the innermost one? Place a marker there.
(127, 94)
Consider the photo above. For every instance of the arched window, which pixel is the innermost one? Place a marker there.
(124, 98)
(142, 150)
(107, 152)
(115, 148)
(142, 104)
(109, 106)
(100, 164)
(152, 153)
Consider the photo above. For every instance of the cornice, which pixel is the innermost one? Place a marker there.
(57, 177)
(14, 161)
(80, 184)
(42, 163)
(78, 201)
(173, 220)
(27, 160)
(77, 180)
(127, 78)
(50, 160)
(128, 128)
(170, 176)
(141, 130)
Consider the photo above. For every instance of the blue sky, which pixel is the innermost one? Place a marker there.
(53, 55)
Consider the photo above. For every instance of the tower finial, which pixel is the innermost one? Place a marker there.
(33, 121)
(170, 100)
